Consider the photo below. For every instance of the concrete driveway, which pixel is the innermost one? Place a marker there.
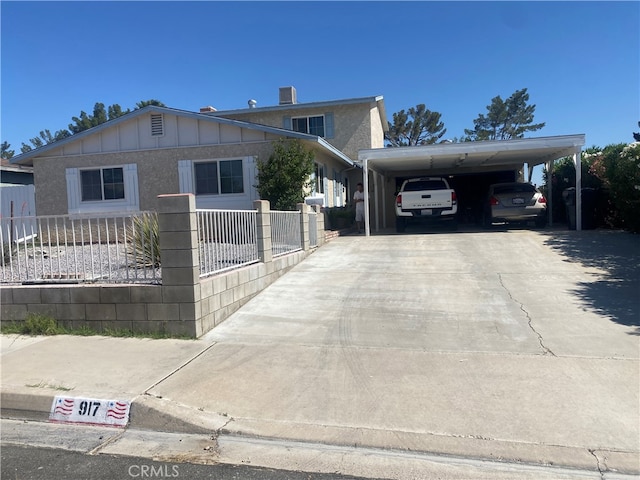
(514, 344)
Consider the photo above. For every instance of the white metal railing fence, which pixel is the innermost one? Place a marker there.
(313, 229)
(227, 239)
(285, 232)
(112, 248)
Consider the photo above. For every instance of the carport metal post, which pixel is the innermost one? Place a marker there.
(375, 199)
(577, 160)
(365, 184)
(550, 192)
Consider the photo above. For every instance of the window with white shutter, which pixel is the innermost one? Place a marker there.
(102, 189)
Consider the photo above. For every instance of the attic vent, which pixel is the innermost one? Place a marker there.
(157, 125)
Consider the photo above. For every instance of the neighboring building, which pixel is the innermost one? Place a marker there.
(125, 163)
(17, 193)
(15, 174)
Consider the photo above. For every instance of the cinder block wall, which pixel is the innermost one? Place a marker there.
(184, 304)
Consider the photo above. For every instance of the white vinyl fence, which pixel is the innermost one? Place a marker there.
(112, 248)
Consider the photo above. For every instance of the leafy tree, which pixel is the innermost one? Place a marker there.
(418, 126)
(45, 137)
(5, 151)
(100, 115)
(84, 122)
(116, 111)
(505, 119)
(284, 178)
(636, 135)
(152, 101)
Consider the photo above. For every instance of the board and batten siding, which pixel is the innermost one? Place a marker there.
(136, 134)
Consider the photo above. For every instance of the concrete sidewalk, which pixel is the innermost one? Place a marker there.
(508, 345)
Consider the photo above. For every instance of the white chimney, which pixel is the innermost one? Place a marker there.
(288, 96)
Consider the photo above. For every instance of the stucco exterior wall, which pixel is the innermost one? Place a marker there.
(157, 171)
(356, 126)
(377, 129)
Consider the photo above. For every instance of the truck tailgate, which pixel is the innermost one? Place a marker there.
(420, 200)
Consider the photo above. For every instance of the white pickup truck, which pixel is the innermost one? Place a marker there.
(425, 199)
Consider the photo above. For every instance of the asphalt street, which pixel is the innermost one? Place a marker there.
(39, 463)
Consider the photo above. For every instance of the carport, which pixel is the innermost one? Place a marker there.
(381, 166)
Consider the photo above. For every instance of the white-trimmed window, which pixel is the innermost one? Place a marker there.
(101, 189)
(102, 184)
(212, 177)
(310, 125)
(320, 125)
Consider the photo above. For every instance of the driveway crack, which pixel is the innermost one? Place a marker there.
(545, 349)
(593, 452)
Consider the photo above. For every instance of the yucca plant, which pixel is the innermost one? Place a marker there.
(145, 242)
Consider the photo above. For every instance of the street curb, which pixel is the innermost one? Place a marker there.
(165, 416)
(146, 412)
(158, 414)
(482, 449)
(26, 405)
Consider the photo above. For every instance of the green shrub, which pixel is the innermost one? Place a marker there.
(618, 166)
(615, 174)
(340, 217)
(284, 179)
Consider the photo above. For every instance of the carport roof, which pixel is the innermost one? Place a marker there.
(473, 155)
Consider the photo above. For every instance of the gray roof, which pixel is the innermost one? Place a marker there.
(379, 99)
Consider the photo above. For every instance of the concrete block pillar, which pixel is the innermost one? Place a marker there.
(179, 255)
(319, 223)
(265, 251)
(303, 208)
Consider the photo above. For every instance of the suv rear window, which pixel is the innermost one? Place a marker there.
(424, 185)
(515, 188)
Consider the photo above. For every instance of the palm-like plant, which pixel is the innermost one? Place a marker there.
(145, 243)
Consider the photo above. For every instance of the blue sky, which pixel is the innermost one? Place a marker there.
(580, 61)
